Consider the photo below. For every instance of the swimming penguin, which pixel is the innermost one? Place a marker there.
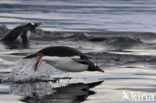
(20, 33)
(65, 58)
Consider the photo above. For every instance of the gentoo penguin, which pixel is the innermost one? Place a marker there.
(65, 58)
(20, 33)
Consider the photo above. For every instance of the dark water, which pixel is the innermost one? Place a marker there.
(127, 57)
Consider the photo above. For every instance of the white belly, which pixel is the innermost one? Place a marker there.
(65, 64)
(28, 34)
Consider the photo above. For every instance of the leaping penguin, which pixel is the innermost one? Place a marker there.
(20, 33)
(65, 58)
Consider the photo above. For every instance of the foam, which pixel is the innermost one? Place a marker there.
(24, 71)
(30, 89)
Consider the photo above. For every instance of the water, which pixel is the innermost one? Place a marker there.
(88, 15)
(123, 46)
(128, 59)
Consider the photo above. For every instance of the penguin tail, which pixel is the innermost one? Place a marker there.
(31, 56)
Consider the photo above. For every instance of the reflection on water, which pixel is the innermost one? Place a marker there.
(16, 45)
(52, 92)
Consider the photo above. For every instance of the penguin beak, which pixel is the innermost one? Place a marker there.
(37, 24)
(100, 70)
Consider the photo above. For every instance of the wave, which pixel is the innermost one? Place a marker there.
(120, 40)
(94, 37)
(3, 30)
(113, 59)
(123, 42)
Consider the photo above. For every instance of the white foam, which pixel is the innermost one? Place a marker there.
(24, 71)
(29, 89)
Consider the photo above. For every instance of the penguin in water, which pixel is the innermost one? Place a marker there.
(20, 34)
(64, 58)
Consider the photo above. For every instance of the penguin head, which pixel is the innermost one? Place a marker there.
(93, 67)
(32, 26)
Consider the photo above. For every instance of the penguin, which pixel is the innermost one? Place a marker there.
(64, 58)
(20, 34)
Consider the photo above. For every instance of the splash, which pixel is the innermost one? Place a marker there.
(32, 89)
(24, 71)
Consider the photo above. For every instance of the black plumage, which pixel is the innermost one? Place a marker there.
(61, 51)
(19, 32)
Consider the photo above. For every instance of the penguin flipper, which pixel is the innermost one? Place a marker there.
(38, 63)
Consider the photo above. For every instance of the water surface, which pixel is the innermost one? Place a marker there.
(127, 57)
(99, 15)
